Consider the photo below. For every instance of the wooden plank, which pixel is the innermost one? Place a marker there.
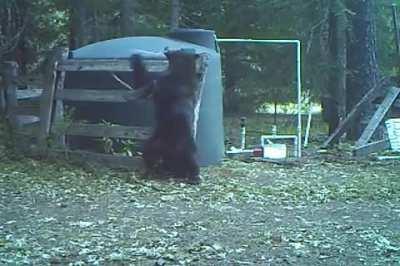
(372, 147)
(59, 110)
(48, 96)
(345, 123)
(29, 94)
(27, 110)
(29, 130)
(22, 120)
(378, 116)
(94, 65)
(103, 160)
(112, 65)
(114, 131)
(46, 108)
(10, 76)
(89, 95)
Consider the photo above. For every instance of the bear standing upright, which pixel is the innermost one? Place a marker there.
(171, 147)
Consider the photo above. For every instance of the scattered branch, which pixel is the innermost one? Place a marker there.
(120, 81)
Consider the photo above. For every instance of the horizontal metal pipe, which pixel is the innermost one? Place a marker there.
(258, 41)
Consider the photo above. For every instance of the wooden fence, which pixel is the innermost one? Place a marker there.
(52, 109)
(19, 107)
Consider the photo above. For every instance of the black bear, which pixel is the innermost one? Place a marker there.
(171, 147)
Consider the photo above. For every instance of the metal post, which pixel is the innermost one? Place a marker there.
(243, 133)
(307, 134)
(298, 74)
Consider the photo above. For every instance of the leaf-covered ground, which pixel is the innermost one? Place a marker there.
(321, 212)
(328, 210)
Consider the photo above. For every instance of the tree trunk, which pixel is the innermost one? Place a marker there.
(22, 51)
(334, 98)
(13, 32)
(175, 14)
(362, 62)
(79, 26)
(341, 56)
(127, 17)
(95, 26)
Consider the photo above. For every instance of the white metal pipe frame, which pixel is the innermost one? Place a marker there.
(298, 72)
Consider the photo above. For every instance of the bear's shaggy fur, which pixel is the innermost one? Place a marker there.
(171, 147)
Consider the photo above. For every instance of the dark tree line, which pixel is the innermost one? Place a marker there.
(351, 51)
(342, 42)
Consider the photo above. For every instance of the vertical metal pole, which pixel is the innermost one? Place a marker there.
(243, 133)
(307, 135)
(298, 81)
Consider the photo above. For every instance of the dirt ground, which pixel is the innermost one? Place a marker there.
(324, 211)
(328, 209)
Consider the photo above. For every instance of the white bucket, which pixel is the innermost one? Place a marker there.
(274, 151)
(393, 128)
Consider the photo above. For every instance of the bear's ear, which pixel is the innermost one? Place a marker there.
(168, 55)
(167, 52)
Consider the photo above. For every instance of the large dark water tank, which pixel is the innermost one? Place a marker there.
(210, 134)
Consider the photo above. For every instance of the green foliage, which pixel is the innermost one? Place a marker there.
(253, 74)
(117, 145)
(389, 59)
(7, 141)
(60, 128)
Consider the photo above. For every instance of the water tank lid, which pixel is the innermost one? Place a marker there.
(202, 37)
(185, 30)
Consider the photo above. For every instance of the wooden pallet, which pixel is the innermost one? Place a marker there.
(346, 122)
(52, 111)
(363, 147)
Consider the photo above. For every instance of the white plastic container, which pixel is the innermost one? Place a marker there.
(274, 151)
(393, 128)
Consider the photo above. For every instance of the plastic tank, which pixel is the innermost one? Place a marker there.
(210, 134)
(200, 37)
